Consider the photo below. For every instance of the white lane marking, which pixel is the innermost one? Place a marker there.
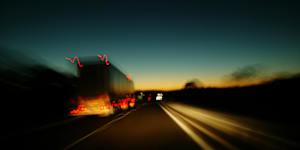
(207, 132)
(231, 124)
(198, 140)
(95, 131)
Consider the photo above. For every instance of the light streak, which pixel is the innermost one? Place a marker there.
(74, 61)
(198, 140)
(250, 131)
(128, 77)
(102, 58)
(205, 131)
(98, 108)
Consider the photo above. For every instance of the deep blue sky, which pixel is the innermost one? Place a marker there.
(162, 44)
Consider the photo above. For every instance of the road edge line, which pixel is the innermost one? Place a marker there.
(95, 131)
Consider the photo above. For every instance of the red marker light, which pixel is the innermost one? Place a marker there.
(128, 77)
(74, 61)
(102, 58)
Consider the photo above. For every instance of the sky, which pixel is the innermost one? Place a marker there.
(162, 44)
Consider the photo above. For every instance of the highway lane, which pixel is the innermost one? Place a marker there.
(57, 135)
(146, 128)
(180, 126)
(162, 126)
(220, 130)
(140, 127)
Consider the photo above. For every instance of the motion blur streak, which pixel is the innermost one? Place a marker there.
(208, 121)
(199, 141)
(102, 58)
(99, 105)
(207, 132)
(72, 61)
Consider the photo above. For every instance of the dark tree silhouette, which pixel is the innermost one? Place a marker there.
(193, 84)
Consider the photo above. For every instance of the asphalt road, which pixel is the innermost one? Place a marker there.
(161, 126)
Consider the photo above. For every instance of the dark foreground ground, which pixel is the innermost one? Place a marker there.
(164, 125)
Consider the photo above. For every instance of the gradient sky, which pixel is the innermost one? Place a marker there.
(162, 44)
